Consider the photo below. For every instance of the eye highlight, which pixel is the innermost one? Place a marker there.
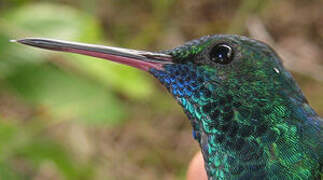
(221, 54)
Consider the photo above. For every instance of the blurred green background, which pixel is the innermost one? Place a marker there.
(66, 116)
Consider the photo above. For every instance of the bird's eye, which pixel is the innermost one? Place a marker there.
(221, 54)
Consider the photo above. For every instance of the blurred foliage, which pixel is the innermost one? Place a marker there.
(43, 79)
(58, 88)
(65, 116)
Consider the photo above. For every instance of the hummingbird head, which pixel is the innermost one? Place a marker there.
(217, 79)
(229, 85)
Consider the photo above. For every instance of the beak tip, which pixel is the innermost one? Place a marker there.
(22, 41)
(27, 41)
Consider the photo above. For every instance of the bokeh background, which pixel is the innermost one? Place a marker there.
(66, 116)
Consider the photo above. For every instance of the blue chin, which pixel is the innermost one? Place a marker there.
(181, 80)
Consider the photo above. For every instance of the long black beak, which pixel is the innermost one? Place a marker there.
(140, 59)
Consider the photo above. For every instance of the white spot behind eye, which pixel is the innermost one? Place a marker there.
(276, 70)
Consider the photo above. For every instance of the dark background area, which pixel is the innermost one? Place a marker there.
(66, 116)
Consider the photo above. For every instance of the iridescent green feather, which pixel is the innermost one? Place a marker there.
(250, 118)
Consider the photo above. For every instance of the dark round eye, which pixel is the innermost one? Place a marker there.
(222, 54)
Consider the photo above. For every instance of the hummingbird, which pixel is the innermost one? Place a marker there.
(248, 114)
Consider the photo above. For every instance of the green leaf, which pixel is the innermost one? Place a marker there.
(76, 87)
(66, 96)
